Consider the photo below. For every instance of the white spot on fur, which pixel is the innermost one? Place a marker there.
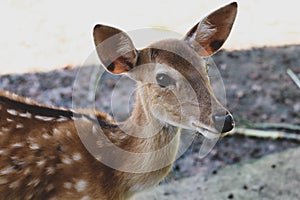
(67, 160)
(34, 146)
(7, 170)
(14, 185)
(56, 131)
(18, 144)
(50, 170)
(31, 140)
(43, 118)
(76, 156)
(1, 152)
(4, 129)
(67, 185)
(85, 198)
(9, 120)
(27, 171)
(46, 136)
(41, 162)
(1, 133)
(19, 125)
(80, 185)
(26, 115)
(12, 112)
(34, 182)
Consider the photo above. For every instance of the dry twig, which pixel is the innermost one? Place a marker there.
(265, 134)
(293, 77)
(277, 126)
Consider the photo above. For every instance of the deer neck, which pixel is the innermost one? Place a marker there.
(157, 139)
(143, 125)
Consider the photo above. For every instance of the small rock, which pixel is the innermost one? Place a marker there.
(240, 94)
(256, 88)
(223, 67)
(296, 107)
(254, 75)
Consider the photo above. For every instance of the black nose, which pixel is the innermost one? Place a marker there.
(223, 123)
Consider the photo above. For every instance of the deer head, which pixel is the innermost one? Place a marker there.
(171, 75)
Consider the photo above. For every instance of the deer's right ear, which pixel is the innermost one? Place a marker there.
(115, 49)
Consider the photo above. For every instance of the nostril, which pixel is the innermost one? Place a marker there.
(223, 123)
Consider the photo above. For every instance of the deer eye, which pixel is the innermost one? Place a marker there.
(164, 80)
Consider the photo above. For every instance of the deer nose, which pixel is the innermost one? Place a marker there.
(223, 123)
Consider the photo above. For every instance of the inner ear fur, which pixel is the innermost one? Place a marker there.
(115, 49)
(208, 36)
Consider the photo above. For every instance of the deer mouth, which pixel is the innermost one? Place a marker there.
(207, 132)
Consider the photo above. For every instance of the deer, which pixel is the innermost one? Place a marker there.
(56, 153)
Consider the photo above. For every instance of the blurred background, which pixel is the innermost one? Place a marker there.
(45, 34)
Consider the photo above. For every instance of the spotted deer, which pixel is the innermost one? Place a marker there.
(55, 153)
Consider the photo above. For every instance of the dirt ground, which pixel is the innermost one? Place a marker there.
(257, 86)
(273, 177)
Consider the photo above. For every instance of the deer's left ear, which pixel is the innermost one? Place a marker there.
(209, 35)
(115, 49)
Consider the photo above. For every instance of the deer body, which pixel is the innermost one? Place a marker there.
(45, 158)
(42, 155)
